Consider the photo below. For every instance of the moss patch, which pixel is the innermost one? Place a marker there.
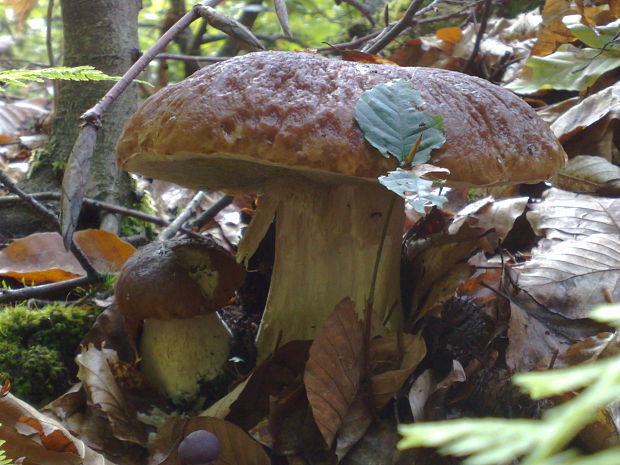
(37, 347)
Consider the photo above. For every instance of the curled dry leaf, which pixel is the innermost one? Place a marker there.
(40, 439)
(586, 173)
(573, 276)
(41, 257)
(566, 215)
(74, 181)
(232, 27)
(334, 369)
(282, 14)
(393, 357)
(487, 214)
(96, 371)
(603, 104)
(236, 446)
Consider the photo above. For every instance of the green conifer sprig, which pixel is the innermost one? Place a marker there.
(497, 441)
(21, 77)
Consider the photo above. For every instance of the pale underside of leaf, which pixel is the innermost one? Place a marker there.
(573, 276)
(566, 215)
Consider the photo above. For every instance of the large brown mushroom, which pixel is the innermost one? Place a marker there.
(176, 287)
(282, 125)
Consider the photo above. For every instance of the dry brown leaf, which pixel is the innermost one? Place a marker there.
(553, 31)
(394, 357)
(603, 104)
(15, 117)
(586, 173)
(22, 9)
(378, 446)
(363, 57)
(571, 277)
(281, 372)
(236, 446)
(487, 214)
(334, 369)
(42, 257)
(40, 439)
(96, 371)
(565, 215)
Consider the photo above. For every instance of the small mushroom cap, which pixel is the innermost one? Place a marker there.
(237, 124)
(177, 279)
(199, 448)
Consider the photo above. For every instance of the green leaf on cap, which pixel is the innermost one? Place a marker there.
(415, 190)
(391, 118)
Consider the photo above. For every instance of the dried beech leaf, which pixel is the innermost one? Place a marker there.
(487, 214)
(41, 257)
(363, 57)
(282, 14)
(74, 181)
(573, 276)
(236, 446)
(586, 173)
(334, 369)
(95, 370)
(552, 31)
(232, 27)
(41, 440)
(603, 104)
(281, 372)
(394, 357)
(566, 215)
(14, 116)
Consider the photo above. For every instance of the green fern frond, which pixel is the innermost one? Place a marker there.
(3, 459)
(489, 441)
(20, 77)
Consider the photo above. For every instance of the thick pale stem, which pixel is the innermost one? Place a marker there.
(178, 354)
(327, 238)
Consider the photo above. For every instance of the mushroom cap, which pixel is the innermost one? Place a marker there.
(177, 279)
(199, 447)
(238, 123)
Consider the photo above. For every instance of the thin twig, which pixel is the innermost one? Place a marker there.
(15, 295)
(93, 115)
(210, 213)
(51, 217)
(488, 5)
(390, 33)
(55, 196)
(187, 212)
(361, 7)
(34, 204)
(173, 56)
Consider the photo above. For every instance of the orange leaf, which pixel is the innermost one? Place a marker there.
(41, 257)
(451, 35)
(362, 57)
(51, 437)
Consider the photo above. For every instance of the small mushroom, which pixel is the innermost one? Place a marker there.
(282, 124)
(176, 287)
(199, 447)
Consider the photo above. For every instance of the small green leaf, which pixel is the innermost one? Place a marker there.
(417, 191)
(391, 118)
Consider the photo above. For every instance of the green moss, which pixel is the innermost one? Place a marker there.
(37, 347)
(131, 226)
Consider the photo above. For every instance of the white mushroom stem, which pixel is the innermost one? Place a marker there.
(327, 238)
(176, 355)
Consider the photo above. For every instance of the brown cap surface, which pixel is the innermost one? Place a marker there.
(234, 124)
(177, 279)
